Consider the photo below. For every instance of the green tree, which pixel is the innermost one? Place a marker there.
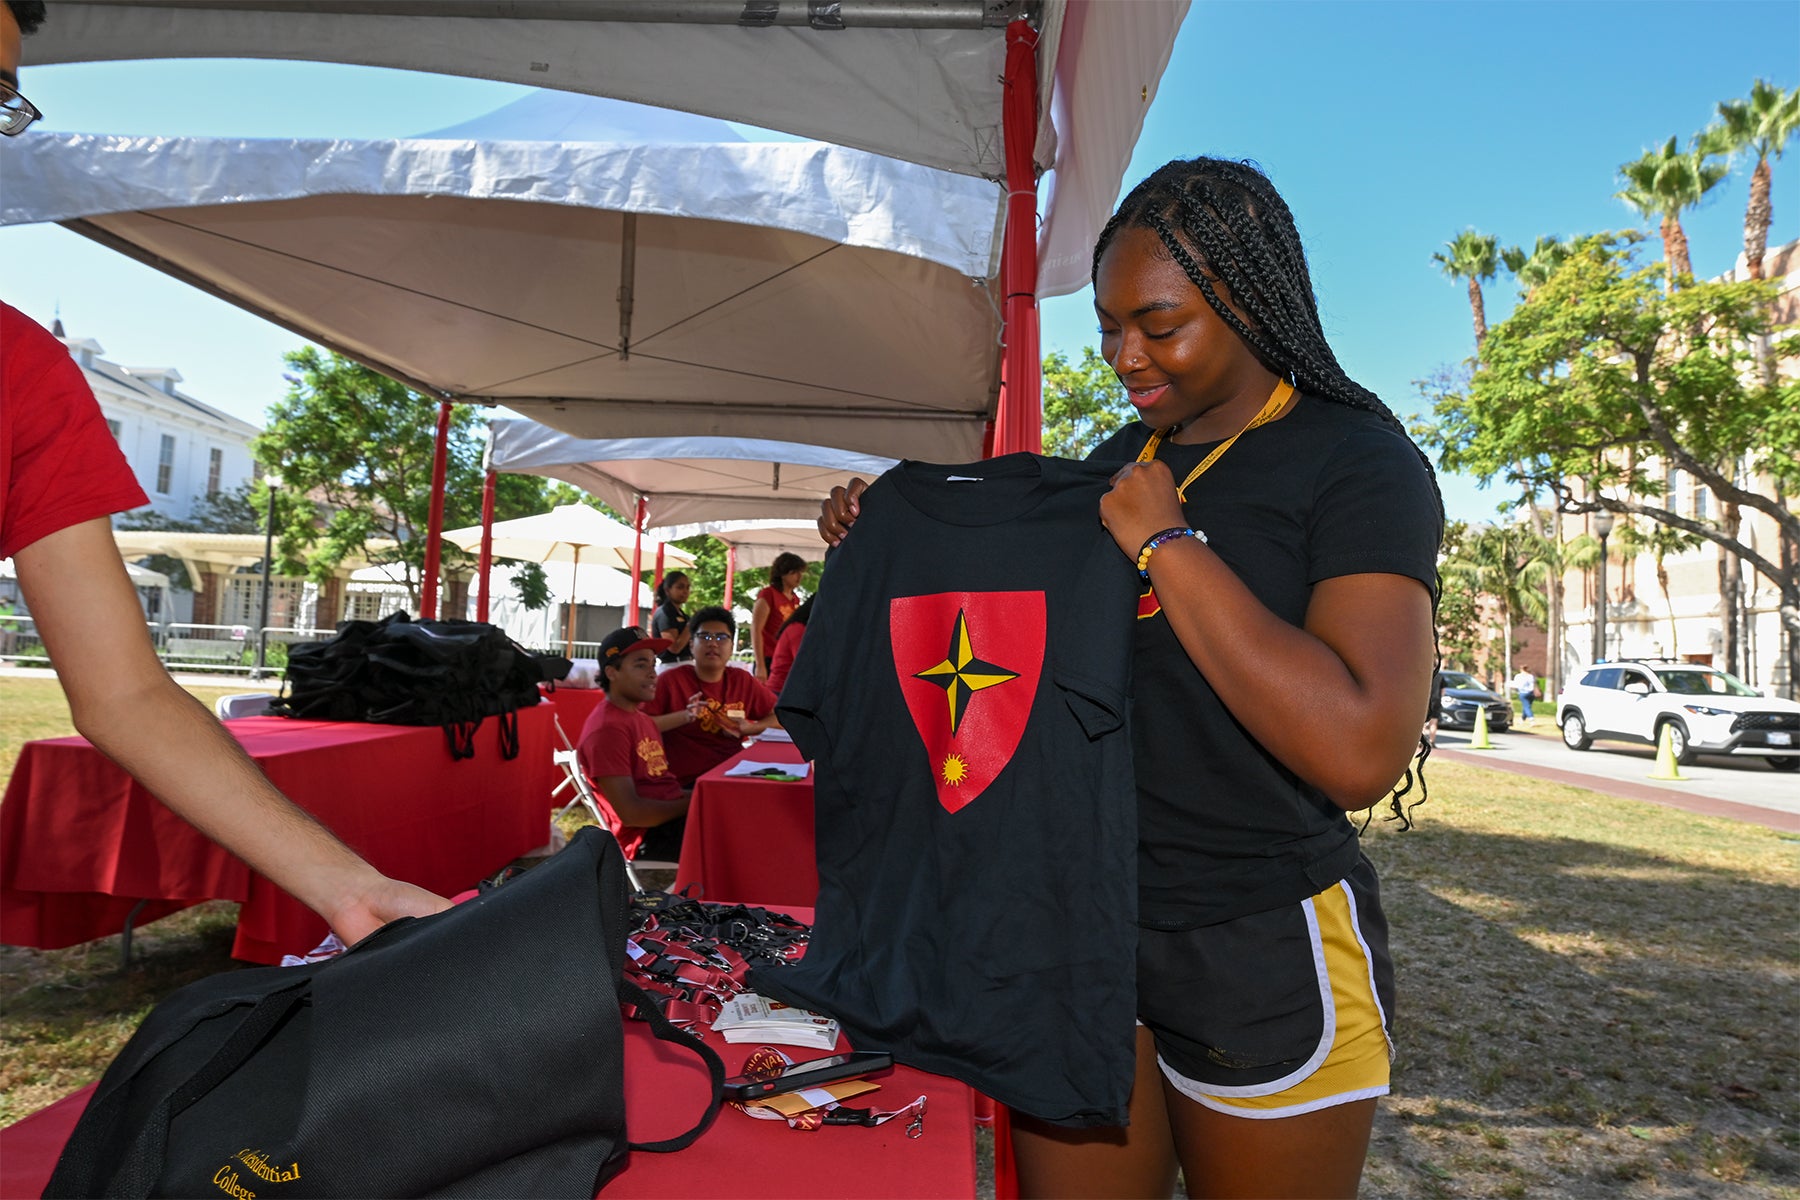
(1665, 182)
(359, 447)
(1506, 564)
(1601, 371)
(1083, 403)
(1758, 126)
(1533, 268)
(1459, 608)
(1474, 257)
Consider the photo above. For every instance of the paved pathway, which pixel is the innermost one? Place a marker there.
(1744, 789)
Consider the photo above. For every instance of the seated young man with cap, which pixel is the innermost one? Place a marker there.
(726, 704)
(621, 748)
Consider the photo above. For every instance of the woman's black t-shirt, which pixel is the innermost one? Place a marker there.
(1223, 829)
(667, 621)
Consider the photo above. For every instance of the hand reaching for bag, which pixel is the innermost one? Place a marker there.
(384, 901)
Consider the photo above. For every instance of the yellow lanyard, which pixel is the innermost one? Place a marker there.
(1277, 398)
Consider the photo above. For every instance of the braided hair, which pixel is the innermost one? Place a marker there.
(1223, 222)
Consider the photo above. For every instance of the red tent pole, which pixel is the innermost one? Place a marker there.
(637, 560)
(660, 547)
(487, 547)
(1019, 423)
(434, 523)
(730, 572)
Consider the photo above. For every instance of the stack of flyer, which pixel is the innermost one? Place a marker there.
(749, 1017)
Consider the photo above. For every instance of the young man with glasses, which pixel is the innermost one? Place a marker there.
(62, 476)
(728, 703)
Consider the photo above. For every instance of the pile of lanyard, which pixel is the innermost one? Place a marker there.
(692, 956)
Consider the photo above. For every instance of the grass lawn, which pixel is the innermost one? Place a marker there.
(1598, 997)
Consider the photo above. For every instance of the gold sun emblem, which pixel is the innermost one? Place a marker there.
(955, 770)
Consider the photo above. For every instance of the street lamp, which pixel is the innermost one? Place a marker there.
(272, 481)
(1603, 525)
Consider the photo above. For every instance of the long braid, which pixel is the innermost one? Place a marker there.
(1223, 222)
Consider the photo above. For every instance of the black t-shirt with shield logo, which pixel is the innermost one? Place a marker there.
(962, 692)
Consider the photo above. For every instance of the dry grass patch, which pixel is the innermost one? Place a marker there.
(1597, 998)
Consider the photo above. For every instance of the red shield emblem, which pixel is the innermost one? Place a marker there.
(968, 664)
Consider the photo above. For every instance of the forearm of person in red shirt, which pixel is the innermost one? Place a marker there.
(637, 811)
(124, 701)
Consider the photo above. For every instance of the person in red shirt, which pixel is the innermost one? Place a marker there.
(621, 749)
(787, 645)
(727, 704)
(61, 478)
(774, 604)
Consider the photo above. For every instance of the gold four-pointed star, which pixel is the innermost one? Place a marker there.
(961, 674)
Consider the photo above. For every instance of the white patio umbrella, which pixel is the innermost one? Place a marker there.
(567, 533)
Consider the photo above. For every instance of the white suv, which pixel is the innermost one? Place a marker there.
(1706, 711)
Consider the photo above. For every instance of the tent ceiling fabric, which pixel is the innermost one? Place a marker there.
(399, 254)
(924, 95)
(756, 542)
(685, 479)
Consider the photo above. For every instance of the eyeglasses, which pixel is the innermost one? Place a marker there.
(16, 112)
(712, 637)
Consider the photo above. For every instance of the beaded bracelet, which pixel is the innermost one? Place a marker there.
(1167, 535)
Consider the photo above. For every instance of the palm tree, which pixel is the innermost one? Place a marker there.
(1507, 563)
(1664, 182)
(1532, 268)
(1659, 541)
(1761, 126)
(1474, 257)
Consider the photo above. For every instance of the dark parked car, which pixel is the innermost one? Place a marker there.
(1463, 695)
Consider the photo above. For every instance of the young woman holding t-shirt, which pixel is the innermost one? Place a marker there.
(1286, 531)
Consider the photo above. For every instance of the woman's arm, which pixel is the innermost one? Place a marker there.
(1336, 700)
(123, 700)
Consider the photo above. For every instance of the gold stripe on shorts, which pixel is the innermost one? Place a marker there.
(1351, 1061)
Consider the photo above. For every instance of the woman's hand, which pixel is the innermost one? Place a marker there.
(840, 510)
(1142, 503)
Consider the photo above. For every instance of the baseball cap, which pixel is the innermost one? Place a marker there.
(620, 642)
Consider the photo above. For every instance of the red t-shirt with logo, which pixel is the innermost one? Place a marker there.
(616, 742)
(703, 744)
(781, 607)
(59, 464)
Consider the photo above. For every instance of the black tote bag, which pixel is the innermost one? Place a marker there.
(477, 1052)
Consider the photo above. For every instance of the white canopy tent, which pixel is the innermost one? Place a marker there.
(916, 80)
(754, 543)
(687, 286)
(683, 479)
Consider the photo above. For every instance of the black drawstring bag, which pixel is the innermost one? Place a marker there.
(477, 1052)
(398, 671)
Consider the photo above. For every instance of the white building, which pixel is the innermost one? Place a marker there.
(180, 449)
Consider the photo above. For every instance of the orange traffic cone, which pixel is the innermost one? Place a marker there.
(1479, 739)
(1666, 766)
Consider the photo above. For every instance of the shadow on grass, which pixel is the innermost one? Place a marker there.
(1581, 1018)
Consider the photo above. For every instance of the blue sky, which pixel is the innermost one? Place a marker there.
(1388, 126)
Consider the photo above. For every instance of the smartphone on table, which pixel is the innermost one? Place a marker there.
(744, 1088)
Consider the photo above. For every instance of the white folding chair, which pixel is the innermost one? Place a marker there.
(243, 704)
(585, 794)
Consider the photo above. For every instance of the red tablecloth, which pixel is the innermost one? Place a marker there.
(81, 842)
(572, 708)
(739, 1156)
(751, 837)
